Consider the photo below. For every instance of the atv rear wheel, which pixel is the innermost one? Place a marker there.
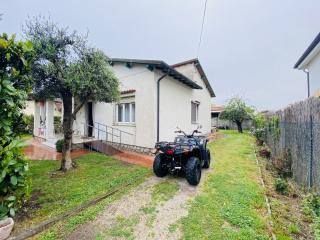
(207, 161)
(193, 171)
(159, 168)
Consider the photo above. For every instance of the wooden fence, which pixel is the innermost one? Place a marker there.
(293, 135)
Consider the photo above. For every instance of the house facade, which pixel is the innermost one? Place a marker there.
(156, 98)
(310, 63)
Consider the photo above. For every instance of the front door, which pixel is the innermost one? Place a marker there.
(90, 119)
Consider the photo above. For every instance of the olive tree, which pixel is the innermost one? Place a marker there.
(66, 67)
(237, 111)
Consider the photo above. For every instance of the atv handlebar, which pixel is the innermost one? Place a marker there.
(191, 135)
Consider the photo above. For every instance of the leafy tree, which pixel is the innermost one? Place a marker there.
(237, 111)
(65, 67)
(15, 84)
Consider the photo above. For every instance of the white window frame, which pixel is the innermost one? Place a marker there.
(196, 104)
(131, 120)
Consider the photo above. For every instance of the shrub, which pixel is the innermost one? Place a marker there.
(24, 125)
(15, 84)
(57, 124)
(12, 180)
(259, 142)
(283, 163)
(59, 145)
(29, 121)
(56, 120)
(264, 153)
(259, 121)
(281, 186)
(258, 133)
(312, 203)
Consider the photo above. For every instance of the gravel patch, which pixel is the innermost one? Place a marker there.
(161, 222)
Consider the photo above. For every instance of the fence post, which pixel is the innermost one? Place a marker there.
(310, 183)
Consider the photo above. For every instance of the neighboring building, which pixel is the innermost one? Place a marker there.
(156, 98)
(30, 107)
(216, 122)
(310, 63)
(215, 112)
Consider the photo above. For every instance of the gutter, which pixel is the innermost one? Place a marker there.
(158, 104)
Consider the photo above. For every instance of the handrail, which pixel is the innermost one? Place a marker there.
(119, 136)
(113, 128)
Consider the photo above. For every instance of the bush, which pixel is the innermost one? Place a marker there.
(259, 121)
(281, 186)
(29, 121)
(12, 180)
(264, 153)
(59, 145)
(57, 124)
(283, 163)
(24, 125)
(258, 133)
(15, 84)
(312, 203)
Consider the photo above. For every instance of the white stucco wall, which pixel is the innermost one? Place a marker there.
(203, 96)
(140, 79)
(175, 105)
(314, 71)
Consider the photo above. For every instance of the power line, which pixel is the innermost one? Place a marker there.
(202, 25)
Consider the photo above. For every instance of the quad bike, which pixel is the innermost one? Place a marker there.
(188, 154)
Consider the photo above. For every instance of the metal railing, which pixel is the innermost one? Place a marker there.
(107, 133)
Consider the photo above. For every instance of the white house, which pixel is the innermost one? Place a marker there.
(310, 63)
(156, 98)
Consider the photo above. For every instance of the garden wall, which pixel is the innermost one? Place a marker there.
(293, 135)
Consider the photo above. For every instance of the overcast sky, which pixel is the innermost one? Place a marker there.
(248, 47)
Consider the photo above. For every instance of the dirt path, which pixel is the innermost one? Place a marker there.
(144, 213)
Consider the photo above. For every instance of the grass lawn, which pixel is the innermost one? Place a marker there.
(54, 192)
(26, 137)
(232, 204)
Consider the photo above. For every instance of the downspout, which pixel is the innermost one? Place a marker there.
(308, 81)
(158, 104)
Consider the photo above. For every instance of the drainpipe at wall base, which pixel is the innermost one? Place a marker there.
(158, 104)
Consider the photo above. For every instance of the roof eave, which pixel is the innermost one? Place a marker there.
(310, 52)
(161, 65)
(196, 62)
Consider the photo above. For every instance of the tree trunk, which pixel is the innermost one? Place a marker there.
(239, 125)
(66, 162)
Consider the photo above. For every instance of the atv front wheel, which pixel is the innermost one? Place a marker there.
(193, 171)
(207, 161)
(159, 168)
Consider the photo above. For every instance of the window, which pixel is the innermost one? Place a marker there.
(126, 113)
(194, 112)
